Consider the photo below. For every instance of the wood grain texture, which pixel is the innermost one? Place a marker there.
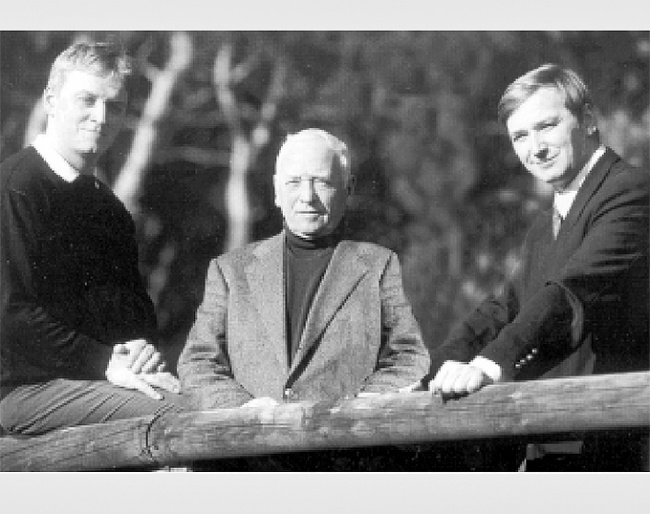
(119, 444)
(567, 406)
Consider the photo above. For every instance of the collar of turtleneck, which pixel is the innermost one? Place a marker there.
(300, 246)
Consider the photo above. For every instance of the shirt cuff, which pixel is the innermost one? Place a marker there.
(487, 366)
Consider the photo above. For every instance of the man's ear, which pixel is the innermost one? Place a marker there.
(49, 101)
(589, 120)
(276, 199)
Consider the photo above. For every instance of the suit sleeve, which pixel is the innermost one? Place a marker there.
(204, 366)
(29, 332)
(403, 358)
(468, 337)
(614, 248)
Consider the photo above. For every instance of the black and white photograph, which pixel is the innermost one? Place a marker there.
(366, 252)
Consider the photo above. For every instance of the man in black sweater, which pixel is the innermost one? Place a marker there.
(77, 323)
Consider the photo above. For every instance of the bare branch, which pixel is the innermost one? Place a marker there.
(194, 155)
(245, 148)
(128, 183)
(261, 132)
(244, 69)
(222, 82)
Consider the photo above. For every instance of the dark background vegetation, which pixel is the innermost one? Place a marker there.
(437, 180)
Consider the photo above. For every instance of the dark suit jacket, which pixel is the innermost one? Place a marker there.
(360, 333)
(578, 304)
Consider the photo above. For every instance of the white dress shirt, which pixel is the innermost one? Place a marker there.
(563, 200)
(43, 145)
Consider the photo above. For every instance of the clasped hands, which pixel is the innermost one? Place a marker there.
(136, 364)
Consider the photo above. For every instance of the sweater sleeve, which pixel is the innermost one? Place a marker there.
(29, 333)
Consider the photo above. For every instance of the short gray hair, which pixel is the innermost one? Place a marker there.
(338, 148)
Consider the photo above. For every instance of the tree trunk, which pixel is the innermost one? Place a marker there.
(128, 184)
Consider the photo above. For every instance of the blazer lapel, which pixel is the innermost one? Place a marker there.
(266, 283)
(344, 272)
(590, 186)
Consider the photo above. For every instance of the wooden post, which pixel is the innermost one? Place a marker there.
(564, 407)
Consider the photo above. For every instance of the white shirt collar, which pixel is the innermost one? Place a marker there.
(563, 200)
(43, 145)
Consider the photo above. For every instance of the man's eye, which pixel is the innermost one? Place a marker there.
(321, 184)
(87, 101)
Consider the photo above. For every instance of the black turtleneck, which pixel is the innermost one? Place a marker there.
(304, 266)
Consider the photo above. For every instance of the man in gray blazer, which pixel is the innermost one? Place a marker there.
(306, 314)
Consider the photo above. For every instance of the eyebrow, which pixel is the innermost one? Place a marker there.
(554, 118)
(548, 119)
(86, 92)
(516, 133)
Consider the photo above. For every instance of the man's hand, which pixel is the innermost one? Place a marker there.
(162, 379)
(142, 356)
(137, 365)
(458, 379)
(119, 373)
(263, 401)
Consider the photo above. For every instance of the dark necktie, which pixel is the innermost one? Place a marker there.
(557, 222)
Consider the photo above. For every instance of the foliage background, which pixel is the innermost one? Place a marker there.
(436, 178)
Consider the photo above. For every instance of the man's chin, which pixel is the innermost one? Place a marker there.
(309, 232)
(95, 147)
(90, 151)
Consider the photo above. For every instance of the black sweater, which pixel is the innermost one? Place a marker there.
(70, 285)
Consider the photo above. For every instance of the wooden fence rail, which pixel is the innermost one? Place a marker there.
(567, 406)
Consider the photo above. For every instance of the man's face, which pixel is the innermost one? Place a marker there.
(549, 140)
(310, 189)
(85, 114)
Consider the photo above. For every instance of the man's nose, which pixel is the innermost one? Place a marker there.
(306, 191)
(99, 111)
(538, 145)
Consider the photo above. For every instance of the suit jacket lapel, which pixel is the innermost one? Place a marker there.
(344, 272)
(266, 283)
(590, 186)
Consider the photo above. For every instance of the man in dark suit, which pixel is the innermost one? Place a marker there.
(578, 304)
(77, 324)
(306, 314)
